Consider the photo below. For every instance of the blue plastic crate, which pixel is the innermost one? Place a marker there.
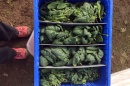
(107, 29)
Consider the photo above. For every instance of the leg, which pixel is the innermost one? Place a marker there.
(6, 54)
(7, 33)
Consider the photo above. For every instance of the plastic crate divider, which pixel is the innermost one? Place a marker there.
(72, 45)
(72, 67)
(62, 23)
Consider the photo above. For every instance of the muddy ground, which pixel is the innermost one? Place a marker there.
(20, 12)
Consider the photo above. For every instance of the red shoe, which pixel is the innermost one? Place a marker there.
(21, 53)
(24, 31)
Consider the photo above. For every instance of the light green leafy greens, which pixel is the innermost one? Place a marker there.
(54, 77)
(63, 11)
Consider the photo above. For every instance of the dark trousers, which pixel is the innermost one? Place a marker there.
(7, 33)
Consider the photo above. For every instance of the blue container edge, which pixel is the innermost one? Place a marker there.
(36, 48)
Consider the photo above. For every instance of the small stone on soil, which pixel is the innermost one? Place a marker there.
(5, 74)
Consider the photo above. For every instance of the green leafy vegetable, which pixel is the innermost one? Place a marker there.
(55, 77)
(59, 53)
(57, 34)
(63, 11)
(68, 56)
(43, 61)
(60, 63)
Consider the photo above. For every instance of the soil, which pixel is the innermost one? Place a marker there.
(20, 12)
(15, 13)
(121, 35)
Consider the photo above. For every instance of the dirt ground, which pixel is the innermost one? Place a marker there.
(20, 12)
(15, 13)
(121, 35)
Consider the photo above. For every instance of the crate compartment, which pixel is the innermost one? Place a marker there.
(76, 12)
(63, 34)
(106, 70)
(91, 74)
(73, 57)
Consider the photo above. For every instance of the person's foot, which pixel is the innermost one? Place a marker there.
(21, 53)
(23, 31)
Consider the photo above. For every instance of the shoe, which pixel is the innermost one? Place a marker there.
(23, 31)
(21, 53)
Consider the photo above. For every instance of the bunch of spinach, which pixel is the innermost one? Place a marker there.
(54, 77)
(61, 56)
(57, 34)
(63, 11)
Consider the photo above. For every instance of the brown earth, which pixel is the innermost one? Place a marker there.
(20, 12)
(15, 13)
(121, 35)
